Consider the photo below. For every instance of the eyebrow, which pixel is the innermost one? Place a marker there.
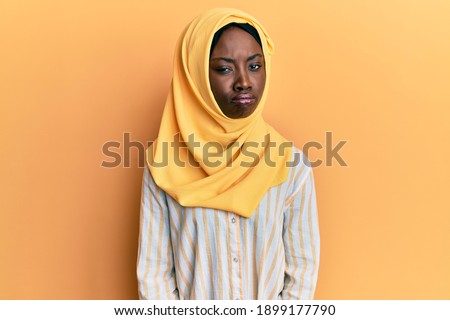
(232, 60)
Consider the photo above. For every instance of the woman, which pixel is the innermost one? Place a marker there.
(228, 206)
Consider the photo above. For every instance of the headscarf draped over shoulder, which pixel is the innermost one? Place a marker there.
(201, 157)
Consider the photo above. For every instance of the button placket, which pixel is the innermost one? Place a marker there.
(234, 252)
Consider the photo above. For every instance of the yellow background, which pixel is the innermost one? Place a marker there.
(76, 74)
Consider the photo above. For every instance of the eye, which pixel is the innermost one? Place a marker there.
(254, 66)
(223, 69)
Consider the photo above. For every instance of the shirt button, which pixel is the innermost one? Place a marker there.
(233, 220)
(235, 259)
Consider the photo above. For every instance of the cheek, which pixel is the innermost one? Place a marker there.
(217, 90)
(213, 83)
(218, 87)
(261, 82)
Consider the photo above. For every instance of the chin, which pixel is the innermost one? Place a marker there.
(244, 114)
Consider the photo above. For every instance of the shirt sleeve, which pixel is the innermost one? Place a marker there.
(301, 238)
(155, 265)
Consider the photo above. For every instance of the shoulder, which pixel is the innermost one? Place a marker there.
(149, 184)
(299, 164)
(300, 172)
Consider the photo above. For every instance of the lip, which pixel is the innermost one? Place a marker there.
(244, 99)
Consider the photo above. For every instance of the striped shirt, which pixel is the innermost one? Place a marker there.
(203, 253)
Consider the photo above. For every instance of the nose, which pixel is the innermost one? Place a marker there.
(242, 81)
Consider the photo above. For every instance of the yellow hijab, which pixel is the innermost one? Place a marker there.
(201, 157)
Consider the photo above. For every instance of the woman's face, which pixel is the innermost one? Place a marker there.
(237, 73)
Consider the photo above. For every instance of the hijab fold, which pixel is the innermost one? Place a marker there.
(201, 157)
